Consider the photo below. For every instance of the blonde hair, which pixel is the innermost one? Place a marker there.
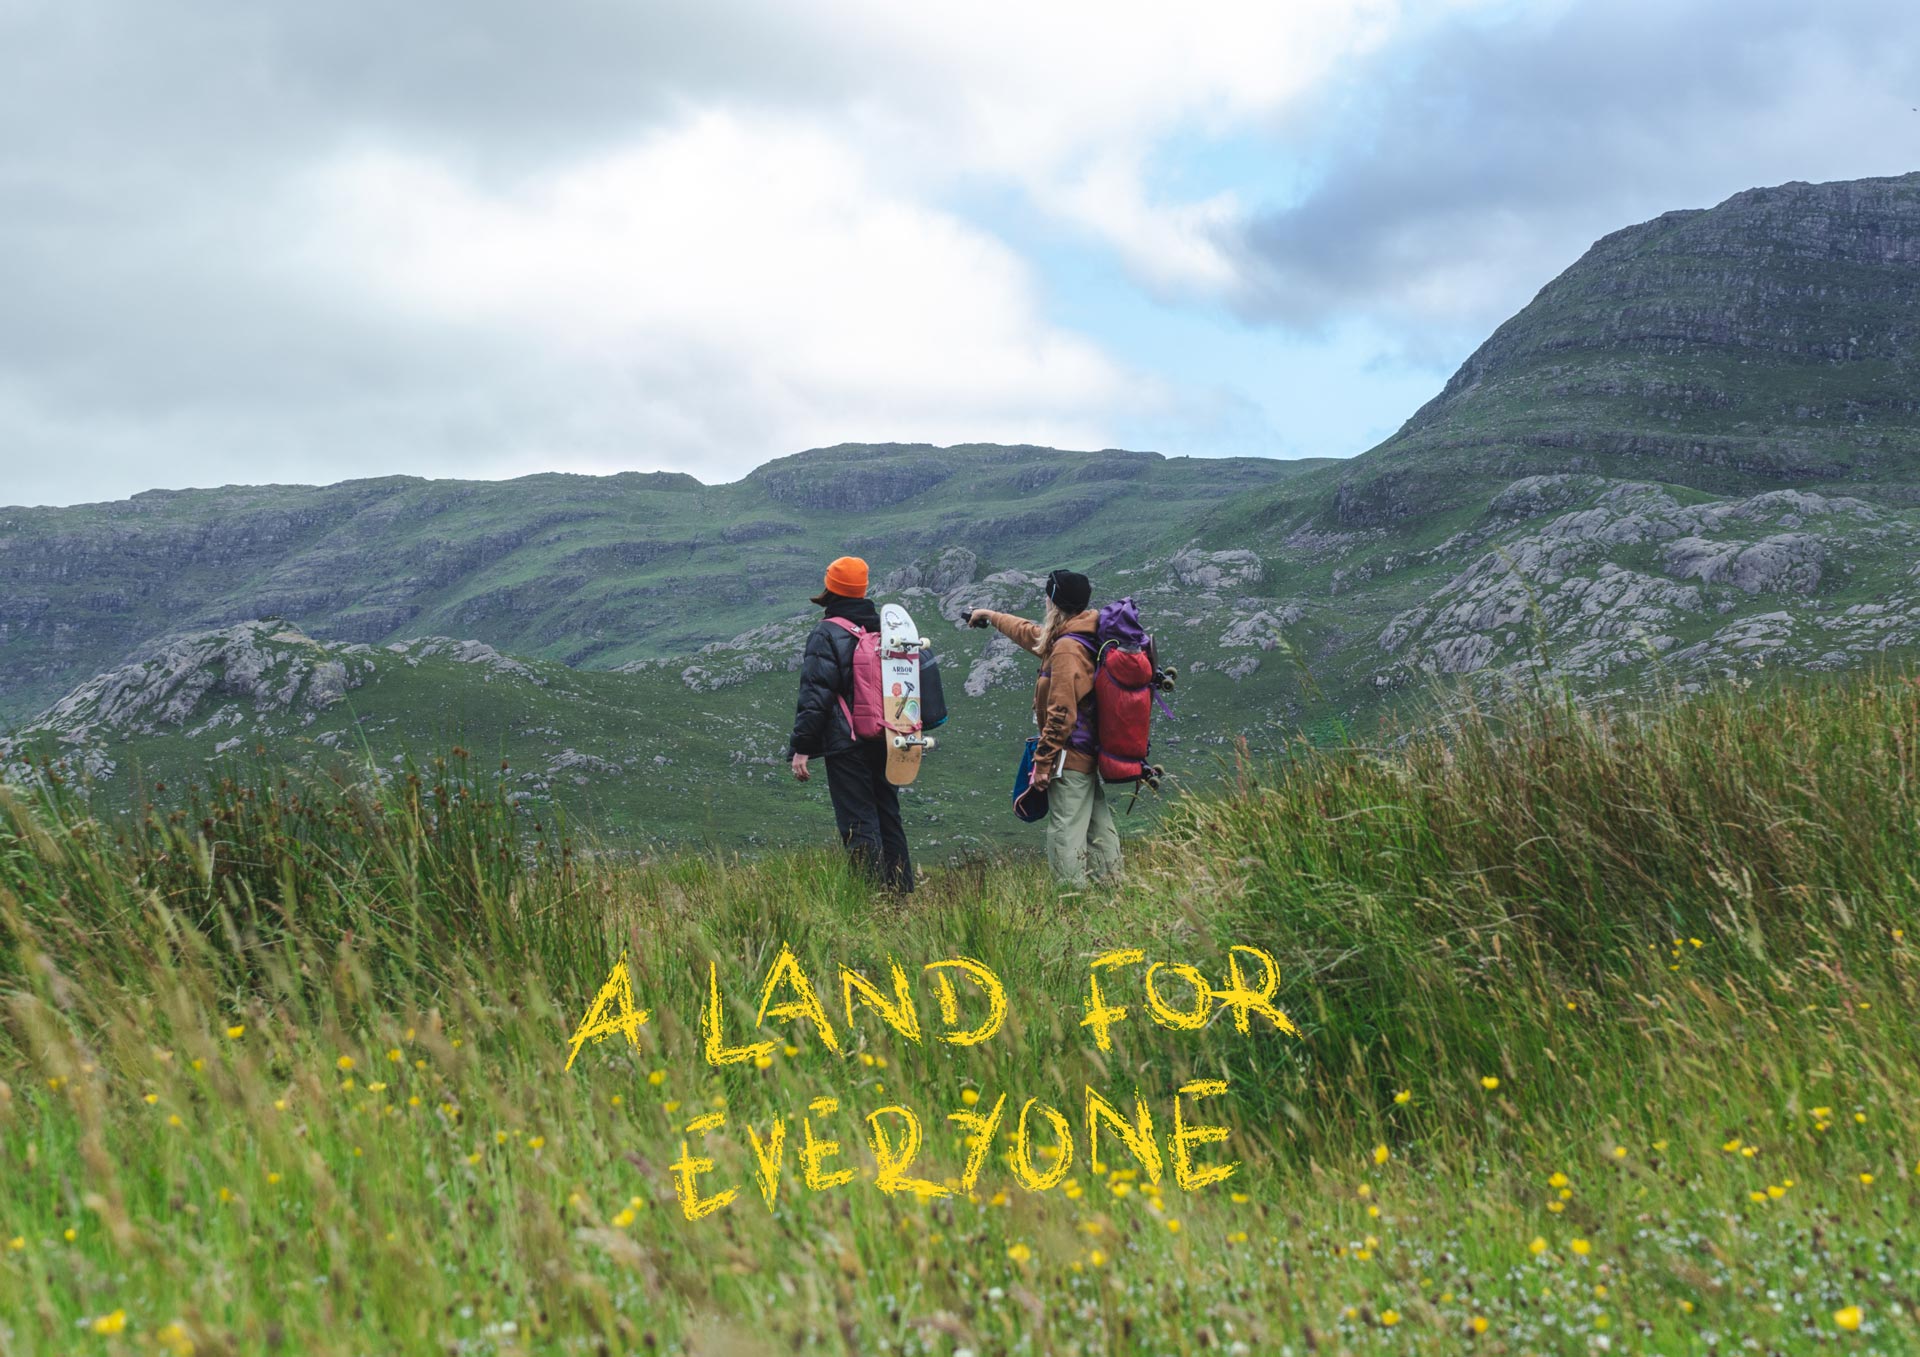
(1051, 626)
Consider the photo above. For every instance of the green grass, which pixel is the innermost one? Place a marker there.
(1604, 1027)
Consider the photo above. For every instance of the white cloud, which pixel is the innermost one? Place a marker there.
(1068, 101)
(728, 283)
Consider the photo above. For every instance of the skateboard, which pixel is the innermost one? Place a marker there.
(900, 647)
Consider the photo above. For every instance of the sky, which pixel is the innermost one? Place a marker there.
(247, 241)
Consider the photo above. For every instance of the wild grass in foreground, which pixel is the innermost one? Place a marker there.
(1606, 1043)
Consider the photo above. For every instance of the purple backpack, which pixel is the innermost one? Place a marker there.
(1120, 625)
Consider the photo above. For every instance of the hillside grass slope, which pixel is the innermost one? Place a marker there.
(1604, 1040)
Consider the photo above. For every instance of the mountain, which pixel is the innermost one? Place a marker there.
(1700, 444)
(590, 571)
(1694, 454)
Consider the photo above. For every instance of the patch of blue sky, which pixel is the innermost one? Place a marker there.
(1227, 387)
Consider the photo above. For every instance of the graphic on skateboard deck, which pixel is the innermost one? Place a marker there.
(900, 647)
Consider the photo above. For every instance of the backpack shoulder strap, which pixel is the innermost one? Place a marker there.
(856, 631)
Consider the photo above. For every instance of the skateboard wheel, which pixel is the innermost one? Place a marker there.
(927, 742)
(899, 742)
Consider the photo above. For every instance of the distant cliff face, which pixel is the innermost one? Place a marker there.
(1773, 338)
(592, 571)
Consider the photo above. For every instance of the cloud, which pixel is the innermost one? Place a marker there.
(281, 240)
(264, 239)
(747, 283)
(1465, 170)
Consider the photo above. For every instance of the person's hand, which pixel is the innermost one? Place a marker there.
(978, 618)
(1041, 780)
(800, 773)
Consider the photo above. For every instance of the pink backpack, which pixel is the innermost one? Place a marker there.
(866, 718)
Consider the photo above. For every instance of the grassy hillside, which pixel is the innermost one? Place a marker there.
(685, 753)
(1604, 1040)
(589, 571)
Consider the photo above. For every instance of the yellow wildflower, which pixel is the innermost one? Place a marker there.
(111, 1324)
(1848, 1317)
(1381, 1154)
(235, 1032)
(1489, 1082)
(1020, 1253)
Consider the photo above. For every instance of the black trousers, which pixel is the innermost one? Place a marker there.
(866, 807)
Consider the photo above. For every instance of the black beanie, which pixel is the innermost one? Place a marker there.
(1069, 591)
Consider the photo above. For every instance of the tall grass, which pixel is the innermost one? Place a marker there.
(288, 1059)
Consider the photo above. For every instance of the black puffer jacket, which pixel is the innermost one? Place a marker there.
(826, 676)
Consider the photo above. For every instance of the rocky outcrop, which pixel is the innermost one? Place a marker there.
(265, 667)
(1566, 598)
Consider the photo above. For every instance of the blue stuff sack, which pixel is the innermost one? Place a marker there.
(1028, 804)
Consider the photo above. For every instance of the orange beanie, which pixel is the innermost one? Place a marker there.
(847, 577)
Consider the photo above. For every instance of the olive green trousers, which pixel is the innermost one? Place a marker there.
(1081, 839)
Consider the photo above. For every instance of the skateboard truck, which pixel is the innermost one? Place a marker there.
(910, 741)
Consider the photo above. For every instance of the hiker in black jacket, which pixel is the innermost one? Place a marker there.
(866, 806)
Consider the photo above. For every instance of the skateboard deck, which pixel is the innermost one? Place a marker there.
(900, 647)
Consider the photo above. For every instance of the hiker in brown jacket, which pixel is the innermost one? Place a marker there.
(1081, 839)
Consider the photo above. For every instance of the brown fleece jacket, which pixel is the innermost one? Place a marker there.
(1064, 688)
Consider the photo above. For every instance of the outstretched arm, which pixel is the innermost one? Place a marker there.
(1021, 632)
